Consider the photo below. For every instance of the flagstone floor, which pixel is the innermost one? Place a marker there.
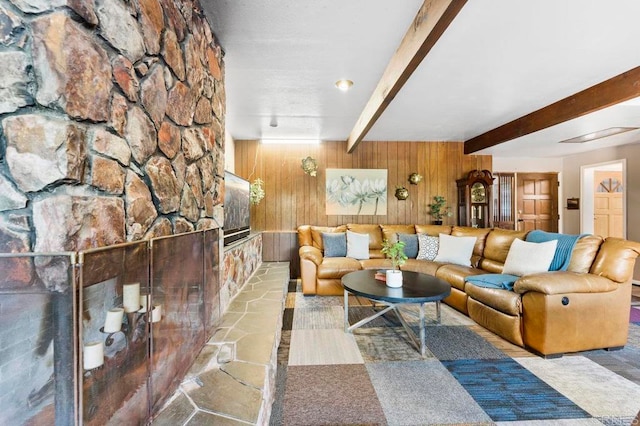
(232, 381)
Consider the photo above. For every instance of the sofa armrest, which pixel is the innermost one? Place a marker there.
(561, 282)
(311, 253)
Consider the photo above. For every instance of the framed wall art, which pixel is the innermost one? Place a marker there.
(356, 191)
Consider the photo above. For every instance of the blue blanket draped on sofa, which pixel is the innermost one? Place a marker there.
(566, 243)
(502, 281)
(560, 261)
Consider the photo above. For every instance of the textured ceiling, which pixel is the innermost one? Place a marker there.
(497, 61)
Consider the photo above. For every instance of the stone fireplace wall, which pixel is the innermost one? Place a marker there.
(111, 130)
(111, 123)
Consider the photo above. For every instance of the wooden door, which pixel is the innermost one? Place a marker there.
(607, 204)
(537, 201)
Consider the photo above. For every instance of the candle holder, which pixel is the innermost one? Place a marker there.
(126, 329)
(90, 371)
(110, 339)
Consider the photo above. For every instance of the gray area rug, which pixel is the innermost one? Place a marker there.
(468, 375)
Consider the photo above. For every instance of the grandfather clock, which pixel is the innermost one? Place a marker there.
(474, 199)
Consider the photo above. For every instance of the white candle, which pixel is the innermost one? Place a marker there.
(144, 302)
(131, 297)
(113, 322)
(156, 313)
(93, 355)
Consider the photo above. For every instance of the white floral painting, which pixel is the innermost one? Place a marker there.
(356, 191)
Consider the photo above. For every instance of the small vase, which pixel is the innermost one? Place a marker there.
(394, 278)
(436, 222)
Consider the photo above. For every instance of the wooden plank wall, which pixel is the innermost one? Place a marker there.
(294, 198)
(282, 247)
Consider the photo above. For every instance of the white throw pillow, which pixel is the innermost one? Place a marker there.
(526, 258)
(457, 250)
(427, 247)
(357, 245)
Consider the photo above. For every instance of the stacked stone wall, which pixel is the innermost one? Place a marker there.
(111, 123)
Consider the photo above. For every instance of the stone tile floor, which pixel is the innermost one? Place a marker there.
(232, 381)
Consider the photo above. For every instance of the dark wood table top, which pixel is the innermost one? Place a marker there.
(416, 287)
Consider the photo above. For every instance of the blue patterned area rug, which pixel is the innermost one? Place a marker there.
(470, 376)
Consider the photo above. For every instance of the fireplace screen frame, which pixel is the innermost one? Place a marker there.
(83, 286)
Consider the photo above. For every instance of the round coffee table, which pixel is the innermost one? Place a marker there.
(416, 288)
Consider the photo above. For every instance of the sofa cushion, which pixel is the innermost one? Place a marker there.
(433, 230)
(411, 245)
(479, 233)
(423, 266)
(507, 326)
(584, 253)
(316, 233)
(456, 250)
(376, 254)
(390, 232)
(498, 243)
(501, 300)
(335, 244)
(427, 247)
(304, 235)
(491, 266)
(357, 245)
(374, 231)
(526, 258)
(455, 274)
(616, 259)
(376, 263)
(337, 267)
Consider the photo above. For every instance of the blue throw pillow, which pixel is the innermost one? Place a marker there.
(335, 244)
(410, 244)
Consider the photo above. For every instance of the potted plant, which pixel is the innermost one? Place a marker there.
(437, 209)
(256, 192)
(395, 252)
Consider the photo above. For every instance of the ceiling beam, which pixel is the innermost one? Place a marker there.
(610, 92)
(432, 20)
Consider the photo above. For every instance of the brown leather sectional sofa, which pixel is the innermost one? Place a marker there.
(585, 307)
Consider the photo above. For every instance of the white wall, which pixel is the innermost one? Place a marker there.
(229, 153)
(532, 165)
(571, 183)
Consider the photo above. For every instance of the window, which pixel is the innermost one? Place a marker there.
(504, 201)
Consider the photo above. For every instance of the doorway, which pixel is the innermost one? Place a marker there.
(603, 198)
(537, 200)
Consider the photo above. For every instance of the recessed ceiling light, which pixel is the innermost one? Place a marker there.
(291, 141)
(344, 85)
(599, 134)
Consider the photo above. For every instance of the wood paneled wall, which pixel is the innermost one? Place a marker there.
(282, 247)
(294, 198)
